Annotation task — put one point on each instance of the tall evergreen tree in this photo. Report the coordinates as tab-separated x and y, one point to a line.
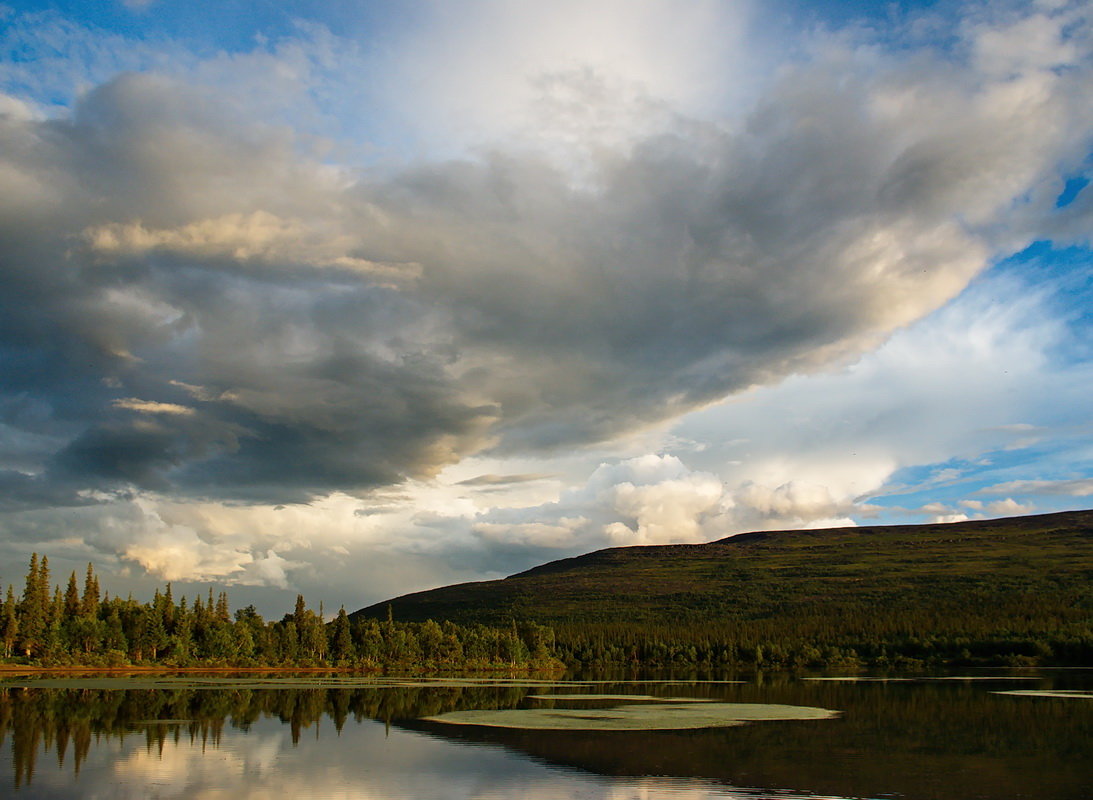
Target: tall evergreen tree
53	641
89	603
72	598
33	610
182	642
222	613
9	624
341	640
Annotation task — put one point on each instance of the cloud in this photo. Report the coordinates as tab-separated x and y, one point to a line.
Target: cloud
151	407
203	303
664	512
650	499
503	480
792	504
348	332
1009	508
1081	487
492	68
244	239
945	519
533	534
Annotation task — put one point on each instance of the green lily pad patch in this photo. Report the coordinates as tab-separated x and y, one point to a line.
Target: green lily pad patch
923	678
630	697
644	717
1064	693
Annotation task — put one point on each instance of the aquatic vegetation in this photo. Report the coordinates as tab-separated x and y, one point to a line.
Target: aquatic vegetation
859	679
630	697
643	717
1058	693
921	678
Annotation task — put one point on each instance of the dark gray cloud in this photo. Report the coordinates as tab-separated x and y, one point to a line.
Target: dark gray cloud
195	302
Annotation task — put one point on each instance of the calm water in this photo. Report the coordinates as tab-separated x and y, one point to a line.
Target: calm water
921	738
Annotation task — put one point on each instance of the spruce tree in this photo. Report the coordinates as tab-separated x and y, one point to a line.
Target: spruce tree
222	613
341	645
9	623
32	610
89	604
72	598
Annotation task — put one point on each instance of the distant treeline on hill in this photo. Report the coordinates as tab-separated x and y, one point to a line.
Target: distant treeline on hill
1015	591
51	627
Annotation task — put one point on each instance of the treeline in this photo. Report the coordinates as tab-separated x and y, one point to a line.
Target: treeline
49	627
882	641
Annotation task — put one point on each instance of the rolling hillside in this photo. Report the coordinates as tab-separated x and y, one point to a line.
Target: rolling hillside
1020	580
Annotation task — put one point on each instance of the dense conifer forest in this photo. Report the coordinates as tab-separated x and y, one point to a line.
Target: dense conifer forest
79	626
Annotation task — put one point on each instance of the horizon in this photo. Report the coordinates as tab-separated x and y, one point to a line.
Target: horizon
356	299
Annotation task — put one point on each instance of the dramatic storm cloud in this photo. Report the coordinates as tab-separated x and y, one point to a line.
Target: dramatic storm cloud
365	294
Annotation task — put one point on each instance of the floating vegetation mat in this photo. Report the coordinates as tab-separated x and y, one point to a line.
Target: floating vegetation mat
646	717
861	679
630	697
924	678
694	682
1066	693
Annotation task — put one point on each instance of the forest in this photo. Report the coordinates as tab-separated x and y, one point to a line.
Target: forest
48	626
82	626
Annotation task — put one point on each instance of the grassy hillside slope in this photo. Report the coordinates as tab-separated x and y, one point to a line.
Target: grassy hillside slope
1022	580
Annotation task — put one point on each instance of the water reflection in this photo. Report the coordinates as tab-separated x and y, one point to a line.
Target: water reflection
918	739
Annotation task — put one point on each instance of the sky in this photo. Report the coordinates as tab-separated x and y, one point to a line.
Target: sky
354	299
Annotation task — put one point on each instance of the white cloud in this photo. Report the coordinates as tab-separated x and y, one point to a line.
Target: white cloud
533	534
792	500
667	512
488	69
1027	44
1010	508
1080	487
945	519
151	406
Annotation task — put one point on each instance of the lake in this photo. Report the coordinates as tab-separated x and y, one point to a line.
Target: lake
977	734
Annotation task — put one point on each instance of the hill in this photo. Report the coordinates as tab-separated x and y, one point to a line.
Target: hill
1020	587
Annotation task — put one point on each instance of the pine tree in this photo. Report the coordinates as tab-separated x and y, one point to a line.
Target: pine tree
222	613
9	623
170	611
182	643
53	640
341	644
43	585
300	611
72	598
89	604
32	609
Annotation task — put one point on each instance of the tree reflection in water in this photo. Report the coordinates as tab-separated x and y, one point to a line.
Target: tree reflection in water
940	739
